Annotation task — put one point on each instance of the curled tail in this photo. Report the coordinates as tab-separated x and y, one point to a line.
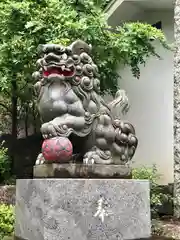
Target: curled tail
121	101
126	142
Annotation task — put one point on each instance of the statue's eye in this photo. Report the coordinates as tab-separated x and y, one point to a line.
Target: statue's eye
58	48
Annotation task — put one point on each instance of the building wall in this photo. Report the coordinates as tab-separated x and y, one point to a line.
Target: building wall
151	99
125	12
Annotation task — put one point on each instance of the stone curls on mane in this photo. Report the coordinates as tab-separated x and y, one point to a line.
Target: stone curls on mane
69	103
75	64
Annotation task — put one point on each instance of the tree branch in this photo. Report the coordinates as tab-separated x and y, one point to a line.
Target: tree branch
6	92
5	107
25	85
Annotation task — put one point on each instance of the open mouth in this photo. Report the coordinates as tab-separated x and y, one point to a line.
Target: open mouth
60	70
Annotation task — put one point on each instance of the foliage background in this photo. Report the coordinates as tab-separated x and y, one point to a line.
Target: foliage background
6	220
4	164
27	23
158	198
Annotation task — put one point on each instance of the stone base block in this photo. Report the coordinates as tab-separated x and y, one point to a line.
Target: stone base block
76	170
82	209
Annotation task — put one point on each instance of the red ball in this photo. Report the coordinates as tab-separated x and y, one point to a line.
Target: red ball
57	149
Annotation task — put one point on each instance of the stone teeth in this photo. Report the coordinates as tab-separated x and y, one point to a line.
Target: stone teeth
45	68
63	67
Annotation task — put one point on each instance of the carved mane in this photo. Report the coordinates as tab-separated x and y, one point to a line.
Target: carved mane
85	83
89	87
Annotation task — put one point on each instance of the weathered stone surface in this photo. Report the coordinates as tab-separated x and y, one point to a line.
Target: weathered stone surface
81	171
149	238
74	108
177	110
65	209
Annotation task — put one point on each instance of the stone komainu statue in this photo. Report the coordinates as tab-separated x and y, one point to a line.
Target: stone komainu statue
70	105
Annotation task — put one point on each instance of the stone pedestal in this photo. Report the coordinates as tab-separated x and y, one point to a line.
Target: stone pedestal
82	209
81	171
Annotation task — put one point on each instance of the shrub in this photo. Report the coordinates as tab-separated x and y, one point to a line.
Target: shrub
6	220
26	24
4	163
11	180
157	196
8	238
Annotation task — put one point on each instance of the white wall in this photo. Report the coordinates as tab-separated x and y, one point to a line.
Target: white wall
125	12
151	99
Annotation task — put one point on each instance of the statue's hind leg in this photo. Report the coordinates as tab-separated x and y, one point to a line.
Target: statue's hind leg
103	137
98	156
109	137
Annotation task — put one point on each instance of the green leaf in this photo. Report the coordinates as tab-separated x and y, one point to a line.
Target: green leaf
26	24
30	24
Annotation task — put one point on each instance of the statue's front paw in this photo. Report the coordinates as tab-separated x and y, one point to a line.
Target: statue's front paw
97	156
40	159
54	129
89	158
48	130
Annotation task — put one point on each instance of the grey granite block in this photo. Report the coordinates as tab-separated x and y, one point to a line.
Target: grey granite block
82	171
67	209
